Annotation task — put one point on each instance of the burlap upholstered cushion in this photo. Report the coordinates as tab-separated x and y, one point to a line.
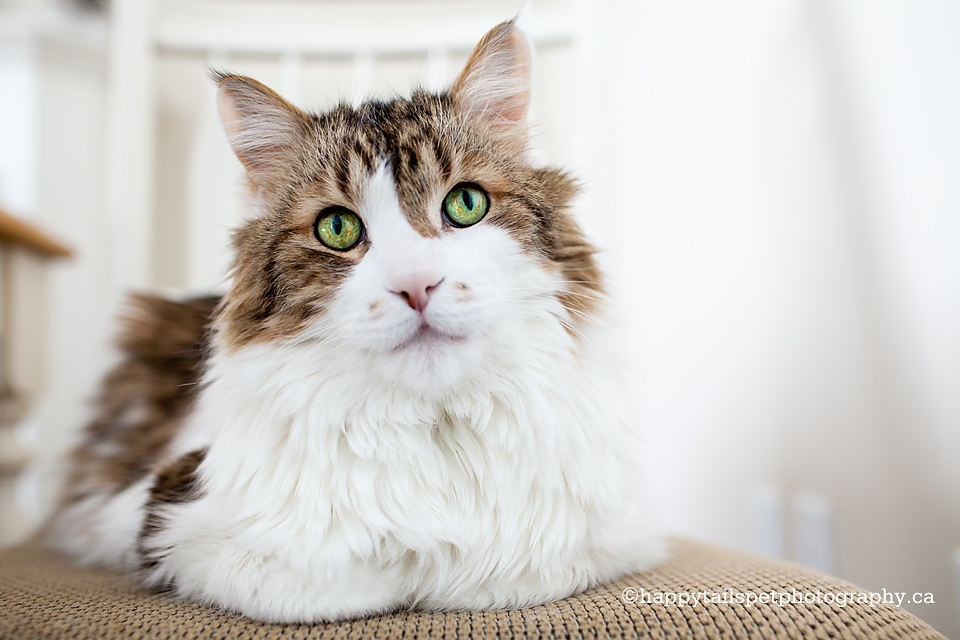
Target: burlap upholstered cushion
43	596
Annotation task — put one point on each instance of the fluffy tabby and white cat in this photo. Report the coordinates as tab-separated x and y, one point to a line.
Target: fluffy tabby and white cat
404	399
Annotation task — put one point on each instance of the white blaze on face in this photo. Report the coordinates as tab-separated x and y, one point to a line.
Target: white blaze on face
429	311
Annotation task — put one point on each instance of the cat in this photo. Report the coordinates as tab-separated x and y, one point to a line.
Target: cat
406	399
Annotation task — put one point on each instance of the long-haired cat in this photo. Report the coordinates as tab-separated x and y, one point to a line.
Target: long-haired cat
405	400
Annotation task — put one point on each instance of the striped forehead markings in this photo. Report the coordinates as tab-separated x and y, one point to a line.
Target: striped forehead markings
406	137
382	210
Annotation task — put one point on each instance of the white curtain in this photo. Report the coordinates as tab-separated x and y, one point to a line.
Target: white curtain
787	180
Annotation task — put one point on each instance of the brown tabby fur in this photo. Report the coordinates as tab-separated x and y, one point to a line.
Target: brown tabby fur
176	482
145	397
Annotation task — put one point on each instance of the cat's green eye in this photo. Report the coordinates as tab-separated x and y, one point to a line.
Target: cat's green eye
338	228
466	204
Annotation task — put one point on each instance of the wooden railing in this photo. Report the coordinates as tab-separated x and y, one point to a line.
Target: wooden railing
19	232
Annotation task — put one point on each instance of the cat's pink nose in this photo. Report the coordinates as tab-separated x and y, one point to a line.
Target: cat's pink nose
415	288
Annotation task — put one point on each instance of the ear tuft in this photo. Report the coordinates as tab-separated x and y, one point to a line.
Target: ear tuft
264	130
495	83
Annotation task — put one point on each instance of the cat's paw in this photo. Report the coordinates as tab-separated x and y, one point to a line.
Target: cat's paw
266	588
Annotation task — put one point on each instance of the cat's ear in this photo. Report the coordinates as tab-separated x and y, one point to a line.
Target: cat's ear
265	131
495	83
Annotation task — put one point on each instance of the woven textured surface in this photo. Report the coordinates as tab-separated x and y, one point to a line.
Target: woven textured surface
42	596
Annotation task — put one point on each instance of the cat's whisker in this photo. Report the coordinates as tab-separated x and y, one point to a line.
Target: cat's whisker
537	313
566	296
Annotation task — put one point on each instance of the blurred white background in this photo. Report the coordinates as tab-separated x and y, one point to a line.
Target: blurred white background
775	185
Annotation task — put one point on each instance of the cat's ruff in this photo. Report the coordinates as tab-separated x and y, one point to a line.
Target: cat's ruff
431	419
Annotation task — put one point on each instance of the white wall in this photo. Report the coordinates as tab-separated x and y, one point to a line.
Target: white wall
787	174
51	144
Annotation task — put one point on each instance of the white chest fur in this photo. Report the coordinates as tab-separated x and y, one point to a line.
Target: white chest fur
347	497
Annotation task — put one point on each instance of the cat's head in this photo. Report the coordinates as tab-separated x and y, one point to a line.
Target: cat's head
414	233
